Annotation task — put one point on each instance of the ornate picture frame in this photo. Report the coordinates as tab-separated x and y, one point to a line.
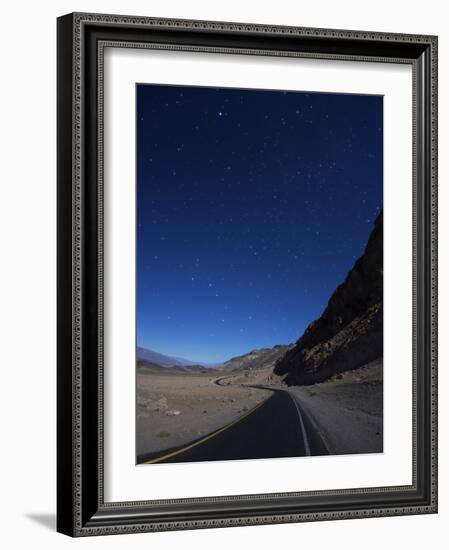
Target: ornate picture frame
81	507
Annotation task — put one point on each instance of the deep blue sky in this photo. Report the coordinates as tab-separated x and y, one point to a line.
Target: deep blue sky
252	206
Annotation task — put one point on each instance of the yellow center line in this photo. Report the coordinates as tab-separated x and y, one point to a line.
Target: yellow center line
210	436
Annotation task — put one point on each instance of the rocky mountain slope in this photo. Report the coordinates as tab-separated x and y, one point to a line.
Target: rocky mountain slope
254	360
349	333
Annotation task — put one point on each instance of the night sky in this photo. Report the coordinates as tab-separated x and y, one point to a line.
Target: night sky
252	206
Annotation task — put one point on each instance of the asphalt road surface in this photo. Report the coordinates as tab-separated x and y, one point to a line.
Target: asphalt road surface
275	429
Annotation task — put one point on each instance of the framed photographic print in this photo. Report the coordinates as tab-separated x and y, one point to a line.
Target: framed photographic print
247	293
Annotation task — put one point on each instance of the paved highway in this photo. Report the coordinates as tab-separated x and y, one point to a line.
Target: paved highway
276	428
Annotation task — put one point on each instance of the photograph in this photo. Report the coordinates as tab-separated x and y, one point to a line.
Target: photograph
259	273
247	267
221	228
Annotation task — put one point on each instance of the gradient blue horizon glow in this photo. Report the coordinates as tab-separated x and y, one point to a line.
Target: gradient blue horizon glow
252	206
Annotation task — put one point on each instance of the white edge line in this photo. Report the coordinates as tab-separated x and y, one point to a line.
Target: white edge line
303	429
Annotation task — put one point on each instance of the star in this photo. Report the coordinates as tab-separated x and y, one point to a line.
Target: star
274	230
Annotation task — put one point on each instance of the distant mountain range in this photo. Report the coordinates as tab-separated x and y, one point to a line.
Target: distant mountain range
145	354
153	361
257	358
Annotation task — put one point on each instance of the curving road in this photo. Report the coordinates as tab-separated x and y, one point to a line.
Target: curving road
277	428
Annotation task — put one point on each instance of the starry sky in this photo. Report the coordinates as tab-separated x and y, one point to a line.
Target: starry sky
252	206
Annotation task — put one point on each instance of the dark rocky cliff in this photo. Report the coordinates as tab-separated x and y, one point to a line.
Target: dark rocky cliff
349	333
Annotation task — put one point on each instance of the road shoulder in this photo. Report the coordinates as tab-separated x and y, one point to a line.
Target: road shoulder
347	412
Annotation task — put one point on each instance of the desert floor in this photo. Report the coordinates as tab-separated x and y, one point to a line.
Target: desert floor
174	408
